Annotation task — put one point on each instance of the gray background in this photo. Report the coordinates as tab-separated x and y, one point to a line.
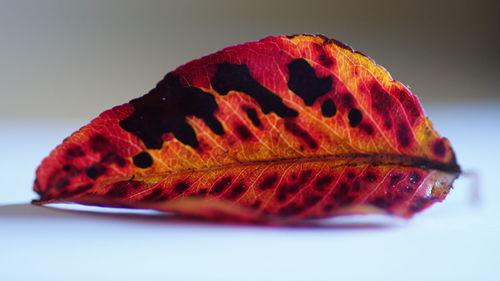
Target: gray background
74	59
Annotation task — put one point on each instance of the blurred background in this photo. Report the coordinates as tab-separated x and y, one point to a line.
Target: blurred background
74	59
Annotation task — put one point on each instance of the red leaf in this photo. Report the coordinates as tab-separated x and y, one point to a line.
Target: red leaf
286	127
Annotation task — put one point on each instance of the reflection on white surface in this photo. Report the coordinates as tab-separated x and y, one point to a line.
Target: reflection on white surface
453	240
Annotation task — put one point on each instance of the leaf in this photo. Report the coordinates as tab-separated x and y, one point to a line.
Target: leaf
286	127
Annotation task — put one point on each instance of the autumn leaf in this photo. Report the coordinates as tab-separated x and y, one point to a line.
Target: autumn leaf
287	127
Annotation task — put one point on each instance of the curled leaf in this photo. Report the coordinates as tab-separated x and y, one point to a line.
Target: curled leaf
286	127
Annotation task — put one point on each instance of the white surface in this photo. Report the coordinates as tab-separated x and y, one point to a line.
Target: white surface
453	240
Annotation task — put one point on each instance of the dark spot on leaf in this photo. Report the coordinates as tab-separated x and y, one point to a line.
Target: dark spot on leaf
311	200
243	132
382	103
180	187
164	110
351	175
221	185
324	59
355	117
380	202
114	158
143	160
297	131
439	148
256	204
99	143
367	128
341	192
328	108
356	186
328	207
409	104
202	191
66	168
370	177
155	194
403	134
322	182
74	152
268	182
252	115
237	77
117	191
304	82
414	177
394	179
281	194
236	191
94	171
291	209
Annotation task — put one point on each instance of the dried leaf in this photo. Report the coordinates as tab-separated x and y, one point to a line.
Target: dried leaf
286	127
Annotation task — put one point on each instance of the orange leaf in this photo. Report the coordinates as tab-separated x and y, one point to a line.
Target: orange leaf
286	127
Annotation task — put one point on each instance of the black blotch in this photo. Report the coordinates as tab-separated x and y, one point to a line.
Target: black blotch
414	177
342	191
256	204
403	134
297	131
394	179
66	168
282	193
355	117
299	183
439	148
220	185
381	202
328	108
237	77
322	182
94	171
116	191
356	186
155	194
164	110
304	82
202	191
268	182
370	177
291	209
143	160
252	115
75	152
236	191
243	132
180	187
351	175
311	200
99	143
